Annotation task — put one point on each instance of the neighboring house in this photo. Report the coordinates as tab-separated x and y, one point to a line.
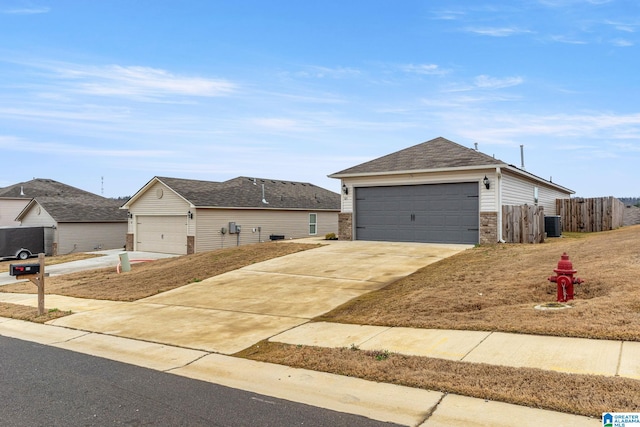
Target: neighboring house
437	192
184	216
82	221
14	199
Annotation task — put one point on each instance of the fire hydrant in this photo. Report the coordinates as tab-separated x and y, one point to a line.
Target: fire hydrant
564	278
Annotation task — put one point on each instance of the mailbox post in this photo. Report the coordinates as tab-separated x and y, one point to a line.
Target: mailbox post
35	273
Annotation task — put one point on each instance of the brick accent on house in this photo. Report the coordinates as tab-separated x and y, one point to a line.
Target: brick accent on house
488	228
129	242
345	226
191	244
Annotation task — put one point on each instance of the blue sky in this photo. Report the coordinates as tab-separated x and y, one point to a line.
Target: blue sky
105	95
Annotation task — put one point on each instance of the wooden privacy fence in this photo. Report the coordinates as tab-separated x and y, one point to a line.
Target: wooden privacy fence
589	215
522	224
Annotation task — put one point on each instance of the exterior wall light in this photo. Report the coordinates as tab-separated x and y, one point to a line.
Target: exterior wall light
345	189
190	215
486	182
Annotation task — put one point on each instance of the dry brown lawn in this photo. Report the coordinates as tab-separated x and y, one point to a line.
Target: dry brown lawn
494	288
151	278
30	314
59	259
490	288
587	395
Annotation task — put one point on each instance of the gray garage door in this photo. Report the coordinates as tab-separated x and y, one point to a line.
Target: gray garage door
434	213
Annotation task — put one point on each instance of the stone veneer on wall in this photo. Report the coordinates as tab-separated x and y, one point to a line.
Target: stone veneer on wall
488	228
129	242
345	222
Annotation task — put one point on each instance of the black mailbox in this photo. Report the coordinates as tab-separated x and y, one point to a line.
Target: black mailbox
23	269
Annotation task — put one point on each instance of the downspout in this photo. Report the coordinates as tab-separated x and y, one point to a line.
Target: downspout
499	202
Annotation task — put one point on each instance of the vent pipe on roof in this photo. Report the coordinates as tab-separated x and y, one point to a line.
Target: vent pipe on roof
21	190
263	199
522	157
476	144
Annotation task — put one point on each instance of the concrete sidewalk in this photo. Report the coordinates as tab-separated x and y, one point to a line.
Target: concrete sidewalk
380	401
561	354
184	331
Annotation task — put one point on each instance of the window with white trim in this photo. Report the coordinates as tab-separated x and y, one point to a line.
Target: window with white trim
313	224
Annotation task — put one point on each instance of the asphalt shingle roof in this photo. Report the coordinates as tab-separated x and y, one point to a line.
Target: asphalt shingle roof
42	187
66	203
245	192
83	209
438	153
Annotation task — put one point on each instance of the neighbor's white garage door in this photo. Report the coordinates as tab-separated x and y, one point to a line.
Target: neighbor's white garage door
166	234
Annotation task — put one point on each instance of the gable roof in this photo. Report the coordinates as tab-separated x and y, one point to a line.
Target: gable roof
438	153
79	209
246	192
63	202
41	187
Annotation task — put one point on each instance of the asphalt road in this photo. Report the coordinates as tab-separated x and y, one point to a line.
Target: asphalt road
47	386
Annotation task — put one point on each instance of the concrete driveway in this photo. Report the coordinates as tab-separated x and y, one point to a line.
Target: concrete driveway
105	258
230	312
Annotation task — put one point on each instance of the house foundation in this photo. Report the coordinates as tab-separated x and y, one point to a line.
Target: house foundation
488	228
345	226
129	242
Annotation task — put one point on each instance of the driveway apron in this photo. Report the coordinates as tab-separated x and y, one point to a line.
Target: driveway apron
232	311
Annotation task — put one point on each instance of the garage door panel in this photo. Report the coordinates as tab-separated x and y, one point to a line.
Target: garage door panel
438	213
162	233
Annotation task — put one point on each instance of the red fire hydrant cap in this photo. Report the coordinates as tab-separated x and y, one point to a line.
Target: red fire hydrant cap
564	265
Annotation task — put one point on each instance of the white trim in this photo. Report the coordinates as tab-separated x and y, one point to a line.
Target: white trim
314	224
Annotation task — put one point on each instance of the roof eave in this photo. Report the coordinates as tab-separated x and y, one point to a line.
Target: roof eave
529	175
267	208
415	171
146	187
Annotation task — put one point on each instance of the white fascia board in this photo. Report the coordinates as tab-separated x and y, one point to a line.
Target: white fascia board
533	177
144	189
264	208
417	171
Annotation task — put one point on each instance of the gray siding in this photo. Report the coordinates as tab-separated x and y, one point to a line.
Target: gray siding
37	216
9	210
85	237
257	225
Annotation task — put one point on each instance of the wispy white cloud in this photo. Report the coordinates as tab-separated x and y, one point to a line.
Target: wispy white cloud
328	72
497	31
427	69
26	11
566	3
624	27
485	82
448	15
508	127
136	81
566	39
488	82
74	150
622	43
